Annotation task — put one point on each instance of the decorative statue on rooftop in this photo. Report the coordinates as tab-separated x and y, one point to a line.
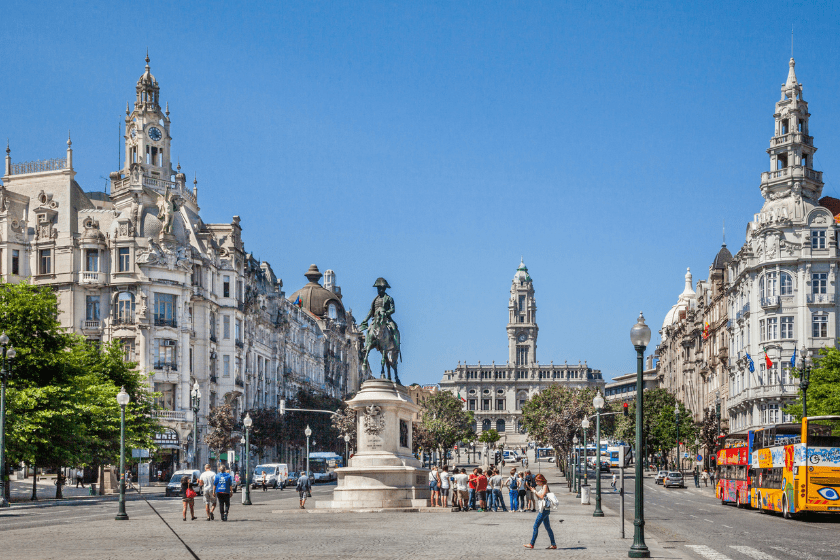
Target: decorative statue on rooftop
382	334
167	208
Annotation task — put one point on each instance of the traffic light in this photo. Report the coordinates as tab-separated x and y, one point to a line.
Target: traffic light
626	409
282	407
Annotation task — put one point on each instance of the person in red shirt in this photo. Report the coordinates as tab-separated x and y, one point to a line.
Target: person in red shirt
481	490
473	479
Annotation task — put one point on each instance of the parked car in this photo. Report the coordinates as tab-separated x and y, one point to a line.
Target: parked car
174	486
605	465
291	480
674	479
660	476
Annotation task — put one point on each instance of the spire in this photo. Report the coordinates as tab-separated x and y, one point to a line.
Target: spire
69	143
147	58
688	293
724	232
167	108
791	79
127	111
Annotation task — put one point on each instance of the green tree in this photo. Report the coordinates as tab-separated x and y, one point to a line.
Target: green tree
323	432
445	422
266	431
221	426
823	388
490	437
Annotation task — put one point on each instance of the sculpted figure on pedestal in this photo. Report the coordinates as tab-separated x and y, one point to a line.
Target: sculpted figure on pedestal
382	334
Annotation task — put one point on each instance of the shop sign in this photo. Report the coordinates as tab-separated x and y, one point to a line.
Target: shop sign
167	439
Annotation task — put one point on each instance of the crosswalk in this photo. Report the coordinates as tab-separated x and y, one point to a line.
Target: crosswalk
738	552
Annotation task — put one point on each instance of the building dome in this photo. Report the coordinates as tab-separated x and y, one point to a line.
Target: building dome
723	258
522	273
318	300
685	301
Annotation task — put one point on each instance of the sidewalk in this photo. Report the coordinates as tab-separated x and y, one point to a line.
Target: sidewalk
21	491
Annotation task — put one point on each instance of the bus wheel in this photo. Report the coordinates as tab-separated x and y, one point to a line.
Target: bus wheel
785	510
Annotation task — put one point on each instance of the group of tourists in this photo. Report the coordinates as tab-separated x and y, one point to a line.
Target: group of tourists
214	489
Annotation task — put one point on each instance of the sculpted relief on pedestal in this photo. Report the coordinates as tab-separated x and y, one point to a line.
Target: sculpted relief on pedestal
373	421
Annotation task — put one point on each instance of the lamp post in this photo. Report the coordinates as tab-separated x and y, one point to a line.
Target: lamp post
717	419
346	450
639	337
576	466
307	432
598	403
8	354
195	393
805	363
585	424
122	400
241	455
248	423
677	421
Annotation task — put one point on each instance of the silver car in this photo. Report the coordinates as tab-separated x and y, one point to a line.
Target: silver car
674	479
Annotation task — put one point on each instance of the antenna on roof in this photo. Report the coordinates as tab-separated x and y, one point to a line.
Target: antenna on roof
791	40
724	231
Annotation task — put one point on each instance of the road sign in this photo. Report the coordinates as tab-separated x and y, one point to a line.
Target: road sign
699	458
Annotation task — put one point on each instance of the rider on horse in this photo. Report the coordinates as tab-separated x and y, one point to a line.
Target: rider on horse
381	311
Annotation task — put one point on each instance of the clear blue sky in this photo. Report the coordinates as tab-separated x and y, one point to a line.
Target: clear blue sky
435	143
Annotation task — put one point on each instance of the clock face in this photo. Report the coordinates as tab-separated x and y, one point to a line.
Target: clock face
155	134
523	337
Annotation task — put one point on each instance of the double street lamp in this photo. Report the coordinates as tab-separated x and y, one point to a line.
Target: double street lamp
122	400
195	395
805	363
307	432
598	403
8	354
247	422
639	337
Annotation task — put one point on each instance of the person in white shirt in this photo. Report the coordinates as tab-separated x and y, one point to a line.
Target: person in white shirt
613	483
445	484
207	483
461	484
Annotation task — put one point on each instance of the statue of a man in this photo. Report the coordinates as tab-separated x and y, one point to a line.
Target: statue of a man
381	310
166	210
383	334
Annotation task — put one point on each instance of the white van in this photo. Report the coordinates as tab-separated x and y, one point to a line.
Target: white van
276	474
512	456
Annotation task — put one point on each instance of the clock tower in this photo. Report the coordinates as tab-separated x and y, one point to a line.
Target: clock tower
147	140
522	322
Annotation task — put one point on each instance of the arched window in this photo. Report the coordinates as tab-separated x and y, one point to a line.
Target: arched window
485	424
332	311
785	284
500	426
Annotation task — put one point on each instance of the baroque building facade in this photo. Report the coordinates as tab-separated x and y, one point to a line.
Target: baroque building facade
183	297
783	280
496	393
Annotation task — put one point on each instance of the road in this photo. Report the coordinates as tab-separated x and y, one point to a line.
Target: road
692	520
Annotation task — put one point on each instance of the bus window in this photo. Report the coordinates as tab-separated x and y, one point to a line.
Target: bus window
822	436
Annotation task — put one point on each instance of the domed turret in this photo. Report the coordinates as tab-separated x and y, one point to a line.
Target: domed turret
318	300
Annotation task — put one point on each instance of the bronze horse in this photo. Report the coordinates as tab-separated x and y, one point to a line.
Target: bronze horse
380	337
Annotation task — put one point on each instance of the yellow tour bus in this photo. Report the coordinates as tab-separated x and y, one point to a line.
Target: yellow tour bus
795	468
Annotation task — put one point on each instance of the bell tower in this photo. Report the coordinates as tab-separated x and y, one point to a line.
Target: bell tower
522	326
147	139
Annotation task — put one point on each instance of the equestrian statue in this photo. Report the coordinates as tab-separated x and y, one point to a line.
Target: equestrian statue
382	334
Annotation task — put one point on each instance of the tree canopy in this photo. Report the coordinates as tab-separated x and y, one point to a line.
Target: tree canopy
824	386
444	422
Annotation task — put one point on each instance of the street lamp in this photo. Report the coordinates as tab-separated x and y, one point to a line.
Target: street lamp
247	422
805	363
585	424
195	393
346	450
598	403
677	420
717	419
8	354
639	337
575	467
307	432
122	400
241	453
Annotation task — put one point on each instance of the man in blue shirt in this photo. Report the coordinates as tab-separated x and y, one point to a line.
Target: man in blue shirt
304	486
223	483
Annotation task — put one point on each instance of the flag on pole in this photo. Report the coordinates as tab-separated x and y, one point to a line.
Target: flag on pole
460	397
750	362
793	358
298	302
706	331
768	362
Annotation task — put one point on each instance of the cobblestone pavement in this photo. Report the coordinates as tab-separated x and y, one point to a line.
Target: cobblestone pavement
274	527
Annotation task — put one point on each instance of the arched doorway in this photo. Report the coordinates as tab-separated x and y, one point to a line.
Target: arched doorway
500	426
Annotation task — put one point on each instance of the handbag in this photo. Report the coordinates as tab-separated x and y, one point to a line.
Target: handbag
190	493
309	493
552	501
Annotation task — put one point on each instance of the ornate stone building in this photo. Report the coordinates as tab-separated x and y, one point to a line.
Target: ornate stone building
496	393
183	297
783	280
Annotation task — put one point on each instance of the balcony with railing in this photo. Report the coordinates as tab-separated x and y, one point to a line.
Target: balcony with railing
39	166
163	321
91	324
821	299
770	302
164	364
92	277
795	171
792	137
764	392
176	415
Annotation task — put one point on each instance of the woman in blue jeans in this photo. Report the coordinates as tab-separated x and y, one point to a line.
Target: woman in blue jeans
542	517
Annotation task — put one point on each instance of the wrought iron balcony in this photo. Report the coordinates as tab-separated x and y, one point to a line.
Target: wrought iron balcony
163	364
770	301
170	414
821	299
161	321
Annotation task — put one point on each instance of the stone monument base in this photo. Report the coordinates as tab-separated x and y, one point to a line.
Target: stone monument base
383	474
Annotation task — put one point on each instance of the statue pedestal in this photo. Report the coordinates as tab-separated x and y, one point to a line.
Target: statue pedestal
383	474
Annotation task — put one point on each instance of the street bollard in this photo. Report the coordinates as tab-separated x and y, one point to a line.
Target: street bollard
584	494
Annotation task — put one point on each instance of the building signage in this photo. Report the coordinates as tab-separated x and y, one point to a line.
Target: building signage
167	439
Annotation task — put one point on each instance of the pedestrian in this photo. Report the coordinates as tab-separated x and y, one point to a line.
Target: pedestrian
207	484
188	496
512	484
80	478
304	487
696	478
498	500
445	485
522	490
222	483
434	486
128	479
542	517
264	481
481	490
530	483
473	477
461	481
614	479
712	478
237	479
705	478
491	496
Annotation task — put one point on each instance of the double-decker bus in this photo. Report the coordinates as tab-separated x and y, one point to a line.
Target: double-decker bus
795	468
732	481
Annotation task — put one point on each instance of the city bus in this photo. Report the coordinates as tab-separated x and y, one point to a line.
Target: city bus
732	481
323	465
795	468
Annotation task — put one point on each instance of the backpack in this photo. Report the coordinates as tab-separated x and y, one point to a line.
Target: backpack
513	484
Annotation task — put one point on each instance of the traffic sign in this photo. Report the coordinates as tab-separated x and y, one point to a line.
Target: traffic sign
699	458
